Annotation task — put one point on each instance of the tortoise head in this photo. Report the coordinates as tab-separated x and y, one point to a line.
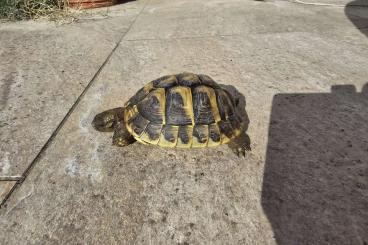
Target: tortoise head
106	121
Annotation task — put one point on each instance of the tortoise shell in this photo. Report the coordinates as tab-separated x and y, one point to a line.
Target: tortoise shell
184	110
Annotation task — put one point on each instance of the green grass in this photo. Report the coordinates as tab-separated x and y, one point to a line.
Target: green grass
31	9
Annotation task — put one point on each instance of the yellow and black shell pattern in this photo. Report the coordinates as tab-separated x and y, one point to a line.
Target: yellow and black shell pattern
184	110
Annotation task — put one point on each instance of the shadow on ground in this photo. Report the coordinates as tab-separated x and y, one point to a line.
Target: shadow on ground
124	1
357	12
315	186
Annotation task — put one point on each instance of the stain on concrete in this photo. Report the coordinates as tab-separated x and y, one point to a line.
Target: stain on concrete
5	87
5	163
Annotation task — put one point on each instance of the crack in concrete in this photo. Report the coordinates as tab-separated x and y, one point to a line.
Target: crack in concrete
181	38
214	36
67	115
10	178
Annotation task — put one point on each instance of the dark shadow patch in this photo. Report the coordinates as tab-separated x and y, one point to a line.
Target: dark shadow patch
5	88
124	1
357	12
315	182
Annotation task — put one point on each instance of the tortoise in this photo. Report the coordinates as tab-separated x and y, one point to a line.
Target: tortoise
183	111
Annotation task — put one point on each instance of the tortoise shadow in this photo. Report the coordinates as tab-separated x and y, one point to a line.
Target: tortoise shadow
357	13
315	181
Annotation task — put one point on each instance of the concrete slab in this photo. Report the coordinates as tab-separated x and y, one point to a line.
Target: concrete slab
146	194
83	190
288	63
5	187
182	19
43	69
119	195
322	2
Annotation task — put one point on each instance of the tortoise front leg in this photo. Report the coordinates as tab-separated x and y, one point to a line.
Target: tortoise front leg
121	136
240	144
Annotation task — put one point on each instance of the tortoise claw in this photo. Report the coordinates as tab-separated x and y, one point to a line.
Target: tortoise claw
240	145
240	152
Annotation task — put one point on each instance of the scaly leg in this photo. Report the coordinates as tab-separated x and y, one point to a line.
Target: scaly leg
240	144
122	137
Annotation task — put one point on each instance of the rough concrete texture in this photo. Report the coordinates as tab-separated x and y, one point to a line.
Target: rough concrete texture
322	2
43	70
305	181
5	187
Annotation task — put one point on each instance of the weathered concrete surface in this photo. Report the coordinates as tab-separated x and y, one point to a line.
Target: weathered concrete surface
83	190
183	18
5	187
322	2
43	69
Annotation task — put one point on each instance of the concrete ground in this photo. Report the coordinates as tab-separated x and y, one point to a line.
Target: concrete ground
302	69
